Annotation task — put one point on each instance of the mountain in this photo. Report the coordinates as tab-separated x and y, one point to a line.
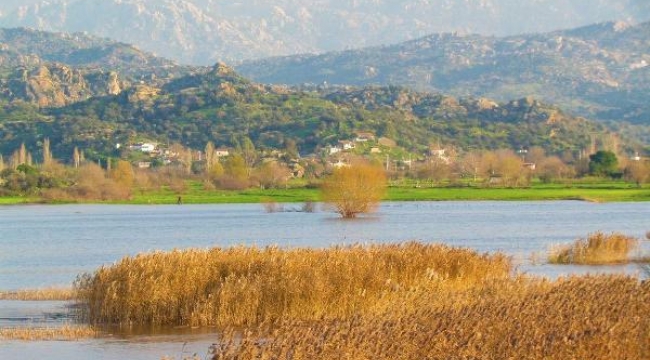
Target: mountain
28	48
222	106
54	69
599	71
204	31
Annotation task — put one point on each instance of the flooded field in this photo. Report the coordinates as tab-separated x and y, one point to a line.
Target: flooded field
44	246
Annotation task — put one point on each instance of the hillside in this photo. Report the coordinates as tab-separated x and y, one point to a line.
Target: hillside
600	71
204	31
221	106
54	69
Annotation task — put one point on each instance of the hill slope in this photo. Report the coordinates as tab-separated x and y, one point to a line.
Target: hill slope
599	71
221	106
54	69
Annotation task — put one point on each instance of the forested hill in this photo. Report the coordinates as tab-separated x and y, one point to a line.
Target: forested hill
600	71
221	106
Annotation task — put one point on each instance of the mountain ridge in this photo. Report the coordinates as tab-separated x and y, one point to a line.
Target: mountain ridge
599	71
202	32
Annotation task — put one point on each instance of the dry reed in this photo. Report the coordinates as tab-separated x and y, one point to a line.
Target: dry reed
597	248
64	333
46	294
248	286
603	317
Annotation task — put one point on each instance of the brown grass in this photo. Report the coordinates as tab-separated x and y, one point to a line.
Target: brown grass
64	333
603	317
596	249
46	294
248	286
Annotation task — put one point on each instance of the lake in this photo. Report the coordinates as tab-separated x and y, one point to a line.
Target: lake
45	245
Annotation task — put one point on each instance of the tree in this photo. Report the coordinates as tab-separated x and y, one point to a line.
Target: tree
510	167
354	190
603	163
76	157
637	172
123	174
247	151
210	156
553	168
47	153
272	174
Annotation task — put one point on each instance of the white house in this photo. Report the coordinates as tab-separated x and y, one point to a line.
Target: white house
334	150
147	148
347	145
222	152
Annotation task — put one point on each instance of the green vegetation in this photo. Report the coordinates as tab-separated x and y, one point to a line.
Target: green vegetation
596	193
221	107
196	194
558	67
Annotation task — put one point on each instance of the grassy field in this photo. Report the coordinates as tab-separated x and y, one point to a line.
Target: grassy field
597	192
15	200
583	191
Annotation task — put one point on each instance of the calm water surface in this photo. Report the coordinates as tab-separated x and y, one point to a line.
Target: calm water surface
44	245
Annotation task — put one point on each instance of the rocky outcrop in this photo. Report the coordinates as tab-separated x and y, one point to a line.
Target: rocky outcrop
55	85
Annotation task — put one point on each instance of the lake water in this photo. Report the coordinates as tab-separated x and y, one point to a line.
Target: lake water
43	246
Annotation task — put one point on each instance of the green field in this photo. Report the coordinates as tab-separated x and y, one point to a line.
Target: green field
195	194
15	200
596	192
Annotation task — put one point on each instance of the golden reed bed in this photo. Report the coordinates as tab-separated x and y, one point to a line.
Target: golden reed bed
604	317
247	286
406	301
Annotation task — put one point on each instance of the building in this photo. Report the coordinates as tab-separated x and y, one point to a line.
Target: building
222	152
364	137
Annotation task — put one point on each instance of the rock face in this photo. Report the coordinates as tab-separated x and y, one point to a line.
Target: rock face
56	85
204	31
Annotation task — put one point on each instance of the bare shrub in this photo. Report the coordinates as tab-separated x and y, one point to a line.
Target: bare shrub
271	206
354	190
308	207
228	182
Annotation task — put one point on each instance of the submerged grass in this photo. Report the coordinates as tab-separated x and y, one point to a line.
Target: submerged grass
46	294
596	249
248	286
64	333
